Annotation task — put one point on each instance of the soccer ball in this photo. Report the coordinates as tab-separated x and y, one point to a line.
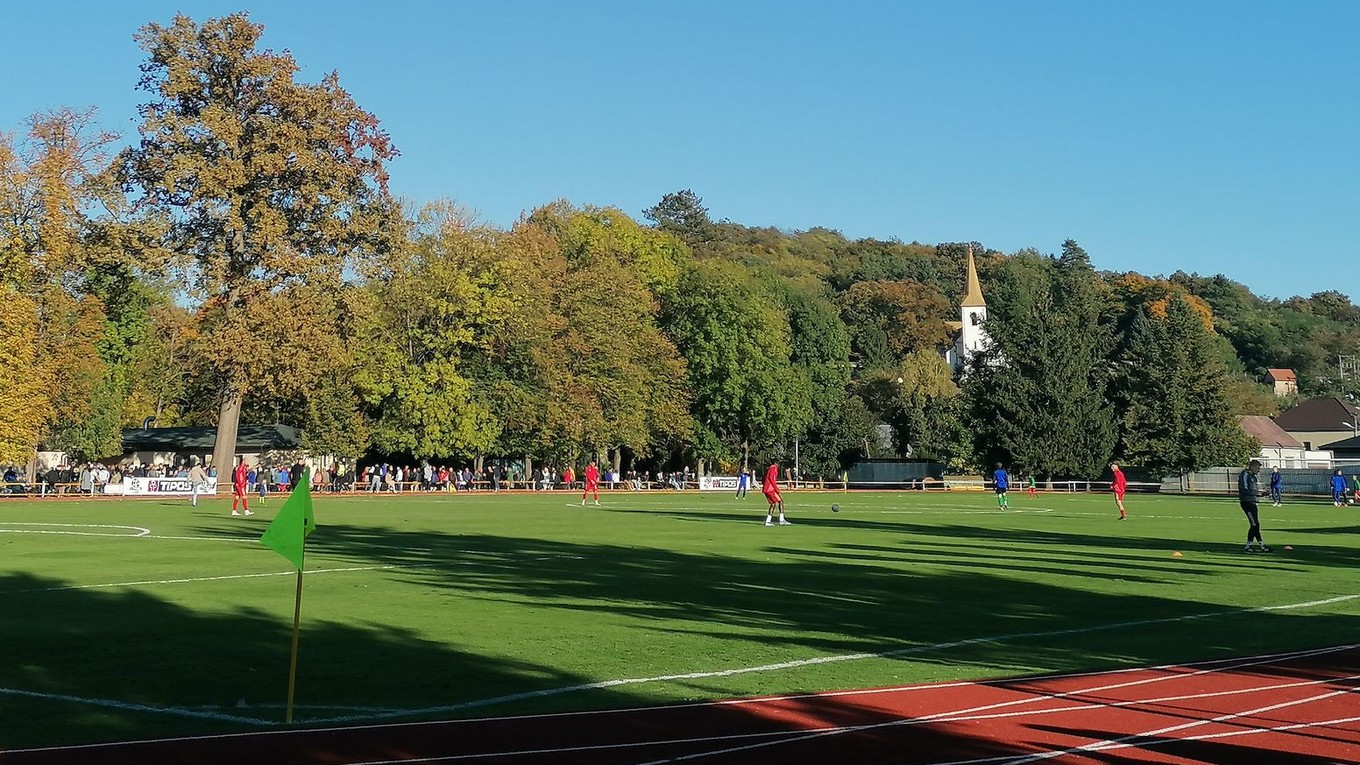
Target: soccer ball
835	508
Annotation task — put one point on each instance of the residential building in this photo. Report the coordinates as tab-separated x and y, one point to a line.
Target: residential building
1282	381
1320	422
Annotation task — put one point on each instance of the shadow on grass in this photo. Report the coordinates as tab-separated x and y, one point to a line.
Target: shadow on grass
814	602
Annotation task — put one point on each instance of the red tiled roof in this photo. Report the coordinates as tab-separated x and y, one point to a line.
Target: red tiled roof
1270	435
1280	375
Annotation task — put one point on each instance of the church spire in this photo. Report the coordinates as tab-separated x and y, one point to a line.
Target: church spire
973	297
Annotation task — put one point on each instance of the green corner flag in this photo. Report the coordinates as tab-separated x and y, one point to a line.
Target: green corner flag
289	529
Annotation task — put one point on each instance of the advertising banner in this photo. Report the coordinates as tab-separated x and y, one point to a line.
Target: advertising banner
718	483
140	487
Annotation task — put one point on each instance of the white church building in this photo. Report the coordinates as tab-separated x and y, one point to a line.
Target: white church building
970	333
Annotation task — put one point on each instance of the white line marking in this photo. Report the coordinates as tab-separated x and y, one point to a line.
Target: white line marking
1228	664
129	706
48	529
970	713
798	663
226	577
1123	741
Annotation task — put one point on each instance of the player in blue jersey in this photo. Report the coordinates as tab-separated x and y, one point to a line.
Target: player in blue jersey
1003	484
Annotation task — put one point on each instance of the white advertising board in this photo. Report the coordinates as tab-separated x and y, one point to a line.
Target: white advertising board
140	487
718	483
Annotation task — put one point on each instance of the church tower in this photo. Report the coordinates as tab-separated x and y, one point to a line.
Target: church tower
972	335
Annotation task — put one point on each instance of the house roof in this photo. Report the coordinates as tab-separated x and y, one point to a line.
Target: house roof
1280	375
1270	435
249	438
1348	446
1319	415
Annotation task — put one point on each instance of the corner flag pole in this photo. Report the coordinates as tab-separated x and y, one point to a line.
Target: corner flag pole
292	662
287	535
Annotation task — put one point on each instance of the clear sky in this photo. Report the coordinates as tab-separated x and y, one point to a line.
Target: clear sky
1200	135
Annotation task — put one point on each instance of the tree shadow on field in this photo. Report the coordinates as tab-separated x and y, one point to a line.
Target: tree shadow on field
818	602
76	663
130	646
1139	546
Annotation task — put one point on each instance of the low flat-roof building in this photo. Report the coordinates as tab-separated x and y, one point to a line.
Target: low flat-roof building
172	446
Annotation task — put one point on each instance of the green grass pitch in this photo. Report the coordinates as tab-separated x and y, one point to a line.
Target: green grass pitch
123	619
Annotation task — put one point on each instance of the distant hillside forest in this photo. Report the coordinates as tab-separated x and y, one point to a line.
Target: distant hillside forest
245	260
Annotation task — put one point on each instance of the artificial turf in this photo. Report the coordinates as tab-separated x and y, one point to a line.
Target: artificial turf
131	619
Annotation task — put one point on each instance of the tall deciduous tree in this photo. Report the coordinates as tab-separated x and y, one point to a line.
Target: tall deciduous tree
53	180
23	383
900	317
275	187
735	339
820	351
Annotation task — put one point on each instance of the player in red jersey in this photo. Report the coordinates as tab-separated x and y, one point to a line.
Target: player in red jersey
592	476
770	488
238	488
1118	486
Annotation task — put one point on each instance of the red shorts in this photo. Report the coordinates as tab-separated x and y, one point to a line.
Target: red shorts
592	486
773	496
1119	494
238	489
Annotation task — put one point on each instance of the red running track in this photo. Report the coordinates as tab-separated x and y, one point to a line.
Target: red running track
1289	709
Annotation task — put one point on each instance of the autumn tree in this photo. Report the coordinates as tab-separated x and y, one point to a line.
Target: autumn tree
888	320
274	186
61	259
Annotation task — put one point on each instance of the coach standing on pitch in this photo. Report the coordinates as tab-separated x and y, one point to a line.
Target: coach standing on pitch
1248	491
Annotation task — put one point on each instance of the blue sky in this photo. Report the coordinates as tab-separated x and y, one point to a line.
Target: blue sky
1205	136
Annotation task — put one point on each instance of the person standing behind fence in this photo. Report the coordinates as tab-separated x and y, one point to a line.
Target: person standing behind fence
1119	485
1338	489
198	482
1276	487
1248	490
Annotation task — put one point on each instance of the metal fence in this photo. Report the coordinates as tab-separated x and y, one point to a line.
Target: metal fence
1223	480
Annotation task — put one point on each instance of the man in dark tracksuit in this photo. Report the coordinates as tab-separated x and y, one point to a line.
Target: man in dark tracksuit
1248	490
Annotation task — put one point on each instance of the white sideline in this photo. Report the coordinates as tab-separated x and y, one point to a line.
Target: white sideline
697	675
843	657
225	577
963	715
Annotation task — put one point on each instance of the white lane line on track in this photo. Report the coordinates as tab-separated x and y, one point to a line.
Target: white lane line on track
514	697
1123	742
1213	665
971	713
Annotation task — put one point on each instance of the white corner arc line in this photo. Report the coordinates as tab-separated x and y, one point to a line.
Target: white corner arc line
223	578
51	528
